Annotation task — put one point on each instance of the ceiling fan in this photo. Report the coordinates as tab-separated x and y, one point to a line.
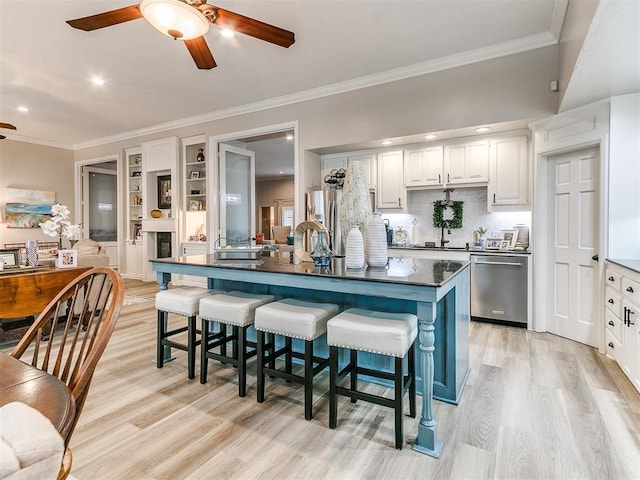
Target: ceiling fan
188	20
8	126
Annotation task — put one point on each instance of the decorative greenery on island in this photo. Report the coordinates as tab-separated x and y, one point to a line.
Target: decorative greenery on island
438	214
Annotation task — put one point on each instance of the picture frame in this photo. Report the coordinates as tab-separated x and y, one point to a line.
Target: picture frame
508	239
164	191
10	257
194	205
67	259
195	174
138	230
492	244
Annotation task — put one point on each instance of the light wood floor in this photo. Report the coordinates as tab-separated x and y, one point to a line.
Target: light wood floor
536	406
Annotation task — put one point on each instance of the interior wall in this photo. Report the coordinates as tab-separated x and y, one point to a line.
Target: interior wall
269	191
34	167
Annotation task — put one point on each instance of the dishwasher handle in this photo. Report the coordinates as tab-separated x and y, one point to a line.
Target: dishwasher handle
510	264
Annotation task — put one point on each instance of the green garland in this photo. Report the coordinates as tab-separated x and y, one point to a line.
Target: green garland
438	215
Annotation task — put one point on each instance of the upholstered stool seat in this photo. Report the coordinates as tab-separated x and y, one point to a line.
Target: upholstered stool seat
391	334
185	302
236	309
292	318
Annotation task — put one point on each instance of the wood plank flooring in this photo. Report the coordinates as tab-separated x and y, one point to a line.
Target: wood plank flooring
536	406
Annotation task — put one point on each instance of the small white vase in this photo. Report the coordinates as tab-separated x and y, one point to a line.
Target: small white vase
354	254
376	242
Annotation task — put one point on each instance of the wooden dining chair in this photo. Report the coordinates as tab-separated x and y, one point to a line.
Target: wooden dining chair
77	324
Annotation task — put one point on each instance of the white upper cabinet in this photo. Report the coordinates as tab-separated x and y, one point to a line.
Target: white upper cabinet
424	167
369	161
390	193
509	167
467	163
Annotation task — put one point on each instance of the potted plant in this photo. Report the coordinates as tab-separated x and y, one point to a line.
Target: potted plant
479	238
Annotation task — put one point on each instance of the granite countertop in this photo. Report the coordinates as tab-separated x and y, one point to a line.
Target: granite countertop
458	249
409	271
626	263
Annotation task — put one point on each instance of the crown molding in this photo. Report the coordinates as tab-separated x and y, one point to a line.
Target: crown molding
520	45
38	141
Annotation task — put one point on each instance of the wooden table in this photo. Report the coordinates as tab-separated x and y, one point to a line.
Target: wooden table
20	382
26	292
436	291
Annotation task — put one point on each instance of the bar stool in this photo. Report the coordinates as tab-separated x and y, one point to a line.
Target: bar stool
236	309
184	302
292	318
391	334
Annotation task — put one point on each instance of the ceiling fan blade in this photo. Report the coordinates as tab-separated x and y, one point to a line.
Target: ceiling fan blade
200	53
106	19
2	137
7	125
255	28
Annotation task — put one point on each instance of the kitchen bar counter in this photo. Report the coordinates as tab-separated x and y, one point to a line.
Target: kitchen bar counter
437	291
630	264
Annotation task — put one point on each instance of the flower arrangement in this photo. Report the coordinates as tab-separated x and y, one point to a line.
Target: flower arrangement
60	224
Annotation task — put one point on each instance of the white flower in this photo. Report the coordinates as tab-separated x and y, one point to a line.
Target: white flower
59	224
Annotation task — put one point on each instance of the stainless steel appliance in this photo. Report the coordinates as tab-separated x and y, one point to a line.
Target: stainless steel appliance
499	289
324	207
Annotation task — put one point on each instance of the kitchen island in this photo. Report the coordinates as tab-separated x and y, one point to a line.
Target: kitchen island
437	291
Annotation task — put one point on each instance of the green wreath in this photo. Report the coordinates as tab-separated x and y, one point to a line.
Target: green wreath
438	214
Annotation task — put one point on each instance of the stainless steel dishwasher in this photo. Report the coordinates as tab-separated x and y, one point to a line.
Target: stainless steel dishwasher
499	289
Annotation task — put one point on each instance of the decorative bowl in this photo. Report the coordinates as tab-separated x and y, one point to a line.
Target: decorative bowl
156	213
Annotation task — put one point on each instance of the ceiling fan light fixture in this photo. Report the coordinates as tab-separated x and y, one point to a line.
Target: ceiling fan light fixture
175	18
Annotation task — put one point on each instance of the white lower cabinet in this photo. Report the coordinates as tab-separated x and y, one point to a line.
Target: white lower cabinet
186	249
622	312
133	259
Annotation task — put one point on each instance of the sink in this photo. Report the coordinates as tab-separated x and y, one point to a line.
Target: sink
422	247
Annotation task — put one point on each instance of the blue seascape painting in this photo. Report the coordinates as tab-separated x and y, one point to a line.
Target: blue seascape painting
28	208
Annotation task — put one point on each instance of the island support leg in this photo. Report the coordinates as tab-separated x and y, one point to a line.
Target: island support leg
163	284
427	440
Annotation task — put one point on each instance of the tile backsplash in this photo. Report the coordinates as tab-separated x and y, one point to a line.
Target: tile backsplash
419	222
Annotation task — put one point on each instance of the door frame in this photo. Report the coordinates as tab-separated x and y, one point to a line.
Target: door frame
213	184
567	132
78	195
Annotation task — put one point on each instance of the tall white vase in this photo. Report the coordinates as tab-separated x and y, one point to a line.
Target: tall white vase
354	254
355	208
376	242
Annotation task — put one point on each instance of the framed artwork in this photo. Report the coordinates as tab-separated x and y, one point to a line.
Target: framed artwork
493	244
67	258
194	205
28	208
10	257
508	239
138	230
195	174
164	191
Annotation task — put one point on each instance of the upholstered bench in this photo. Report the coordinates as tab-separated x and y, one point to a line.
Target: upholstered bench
391	334
292	318
185	302
236	309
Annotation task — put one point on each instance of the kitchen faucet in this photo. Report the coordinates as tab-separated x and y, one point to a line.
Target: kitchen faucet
442	240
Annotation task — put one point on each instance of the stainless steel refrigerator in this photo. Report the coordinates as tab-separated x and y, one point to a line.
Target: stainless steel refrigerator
324	207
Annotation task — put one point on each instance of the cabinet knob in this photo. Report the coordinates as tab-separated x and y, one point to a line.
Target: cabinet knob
439	179
448	178
610	301
611	279
611	344
611	323
630	289
399	202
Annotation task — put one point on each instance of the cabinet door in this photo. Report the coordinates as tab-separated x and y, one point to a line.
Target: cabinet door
467	163
423	167
390	192
509	172
369	161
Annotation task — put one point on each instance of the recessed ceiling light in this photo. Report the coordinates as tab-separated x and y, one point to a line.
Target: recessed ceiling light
228	33
431	136
289	137
22	108
97	81
281	173
482	129
387	142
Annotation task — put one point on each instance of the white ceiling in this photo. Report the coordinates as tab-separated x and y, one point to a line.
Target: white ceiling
151	79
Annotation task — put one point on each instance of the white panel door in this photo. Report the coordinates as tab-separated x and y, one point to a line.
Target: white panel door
573	294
